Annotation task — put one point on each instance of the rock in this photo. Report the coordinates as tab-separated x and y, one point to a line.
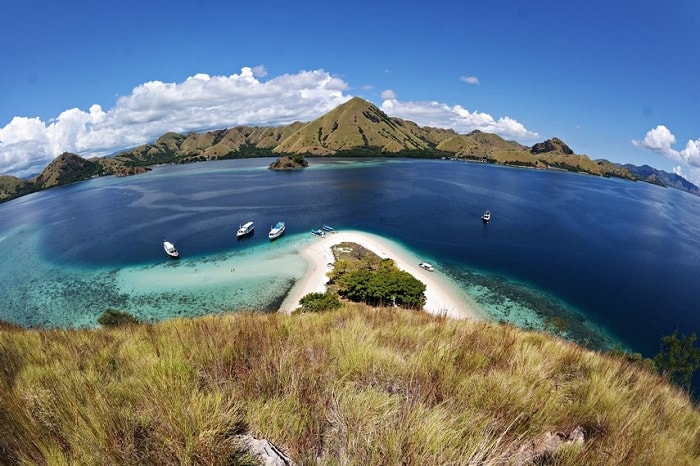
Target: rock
542	447
551	145
265	451
289	163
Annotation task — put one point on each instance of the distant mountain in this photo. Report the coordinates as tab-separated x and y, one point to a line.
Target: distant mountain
355	128
662	178
64	169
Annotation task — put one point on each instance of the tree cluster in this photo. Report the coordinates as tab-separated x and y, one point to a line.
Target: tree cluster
679	358
384	286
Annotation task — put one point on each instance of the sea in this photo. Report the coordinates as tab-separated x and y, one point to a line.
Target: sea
601	261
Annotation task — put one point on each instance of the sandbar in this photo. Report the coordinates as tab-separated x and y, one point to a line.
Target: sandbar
443	296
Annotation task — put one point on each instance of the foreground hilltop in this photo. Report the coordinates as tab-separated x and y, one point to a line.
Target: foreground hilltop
355	128
353	386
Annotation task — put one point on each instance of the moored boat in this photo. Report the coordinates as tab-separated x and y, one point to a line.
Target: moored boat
486	216
170	249
319	233
276	231
329	229
426	266
245	229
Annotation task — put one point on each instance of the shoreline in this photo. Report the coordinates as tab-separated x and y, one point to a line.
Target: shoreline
442	297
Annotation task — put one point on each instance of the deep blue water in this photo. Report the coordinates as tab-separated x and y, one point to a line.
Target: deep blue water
560	247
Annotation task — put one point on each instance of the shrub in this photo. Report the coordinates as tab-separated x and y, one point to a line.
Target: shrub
319	302
113	318
679	358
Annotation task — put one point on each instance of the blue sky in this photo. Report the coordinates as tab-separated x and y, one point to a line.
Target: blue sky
614	80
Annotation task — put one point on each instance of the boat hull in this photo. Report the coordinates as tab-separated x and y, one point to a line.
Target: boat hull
276	231
170	250
245	229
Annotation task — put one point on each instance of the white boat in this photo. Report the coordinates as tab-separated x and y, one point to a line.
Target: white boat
276	231
319	233
170	249
329	229
486	216
245	229
426	266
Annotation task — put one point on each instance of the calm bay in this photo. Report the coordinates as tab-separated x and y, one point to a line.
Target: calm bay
596	260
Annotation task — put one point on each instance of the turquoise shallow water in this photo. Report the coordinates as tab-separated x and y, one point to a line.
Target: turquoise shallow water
255	278
46	295
595	260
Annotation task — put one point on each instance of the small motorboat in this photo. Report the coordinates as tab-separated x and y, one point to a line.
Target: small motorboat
276	231
329	229
245	229
426	266
319	233
170	249
486	216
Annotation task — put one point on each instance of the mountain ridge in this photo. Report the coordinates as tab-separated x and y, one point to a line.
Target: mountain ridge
354	128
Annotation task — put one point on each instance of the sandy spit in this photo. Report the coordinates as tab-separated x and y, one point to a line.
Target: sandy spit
443	297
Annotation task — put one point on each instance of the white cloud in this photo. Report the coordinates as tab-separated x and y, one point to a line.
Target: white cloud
201	102
691	153
692	174
457	118
388	95
259	71
661	140
469	80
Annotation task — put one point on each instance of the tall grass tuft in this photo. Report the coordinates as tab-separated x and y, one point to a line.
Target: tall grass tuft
353	386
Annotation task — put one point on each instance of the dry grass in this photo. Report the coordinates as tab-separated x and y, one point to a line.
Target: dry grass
357	386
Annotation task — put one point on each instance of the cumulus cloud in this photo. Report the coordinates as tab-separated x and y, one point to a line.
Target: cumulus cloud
469	80
388	95
203	102
661	140
456	117
199	103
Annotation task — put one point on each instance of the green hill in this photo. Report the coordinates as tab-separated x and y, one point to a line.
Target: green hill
67	168
356	124
354	386
11	187
355	128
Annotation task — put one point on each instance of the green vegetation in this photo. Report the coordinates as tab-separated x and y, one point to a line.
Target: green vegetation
319	302
113	317
356	128
361	276
355	386
679	358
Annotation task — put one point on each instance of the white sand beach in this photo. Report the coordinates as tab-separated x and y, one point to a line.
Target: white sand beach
442	296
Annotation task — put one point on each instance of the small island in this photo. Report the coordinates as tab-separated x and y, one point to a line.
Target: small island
289	162
330	257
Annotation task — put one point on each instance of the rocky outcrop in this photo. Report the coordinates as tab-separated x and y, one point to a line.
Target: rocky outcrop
551	145
264	451
542	448
294	162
